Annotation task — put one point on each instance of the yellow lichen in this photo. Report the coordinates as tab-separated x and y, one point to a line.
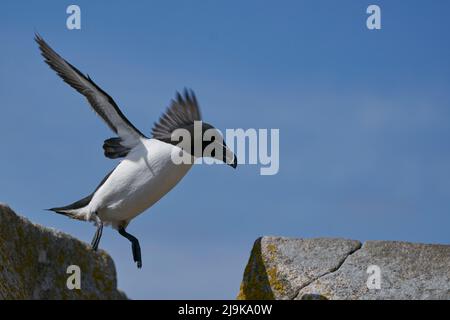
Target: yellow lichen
275	282
256	284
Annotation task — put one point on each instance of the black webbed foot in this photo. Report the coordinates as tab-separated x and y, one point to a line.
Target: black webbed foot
135	247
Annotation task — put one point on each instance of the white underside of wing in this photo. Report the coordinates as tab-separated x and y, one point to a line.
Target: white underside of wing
138	182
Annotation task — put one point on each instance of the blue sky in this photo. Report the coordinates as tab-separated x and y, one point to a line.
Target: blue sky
363	118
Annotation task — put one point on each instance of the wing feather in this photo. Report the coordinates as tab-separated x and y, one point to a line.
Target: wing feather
182	112
99	100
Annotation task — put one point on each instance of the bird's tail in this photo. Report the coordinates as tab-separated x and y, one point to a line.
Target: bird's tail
76	210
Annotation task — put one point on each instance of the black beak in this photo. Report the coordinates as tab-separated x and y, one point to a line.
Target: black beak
227	153
234	164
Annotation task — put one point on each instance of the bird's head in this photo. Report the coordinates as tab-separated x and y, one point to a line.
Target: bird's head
206	142
214	146
181	125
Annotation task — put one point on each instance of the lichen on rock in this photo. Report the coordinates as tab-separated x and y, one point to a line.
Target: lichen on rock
305	269
34	262
279	267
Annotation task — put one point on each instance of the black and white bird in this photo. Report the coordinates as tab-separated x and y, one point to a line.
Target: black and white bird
147	171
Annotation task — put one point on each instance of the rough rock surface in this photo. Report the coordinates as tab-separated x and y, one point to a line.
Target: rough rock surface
34	262
282	268
279	267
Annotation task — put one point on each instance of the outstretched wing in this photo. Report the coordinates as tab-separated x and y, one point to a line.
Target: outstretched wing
99	100
182	112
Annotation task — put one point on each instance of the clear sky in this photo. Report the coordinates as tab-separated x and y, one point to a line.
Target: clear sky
363	118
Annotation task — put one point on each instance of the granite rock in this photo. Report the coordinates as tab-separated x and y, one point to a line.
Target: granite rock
283	268
34	262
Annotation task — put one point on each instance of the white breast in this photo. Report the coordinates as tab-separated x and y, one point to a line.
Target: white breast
138	182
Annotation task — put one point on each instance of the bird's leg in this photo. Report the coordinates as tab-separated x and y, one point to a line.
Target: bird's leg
98	233
136	248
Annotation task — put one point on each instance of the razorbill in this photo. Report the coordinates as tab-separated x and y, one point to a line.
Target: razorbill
147	171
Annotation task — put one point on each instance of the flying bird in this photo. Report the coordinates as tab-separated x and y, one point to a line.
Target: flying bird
146	172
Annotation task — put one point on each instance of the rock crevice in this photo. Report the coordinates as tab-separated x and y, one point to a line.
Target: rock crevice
270	273
312	296
283	268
